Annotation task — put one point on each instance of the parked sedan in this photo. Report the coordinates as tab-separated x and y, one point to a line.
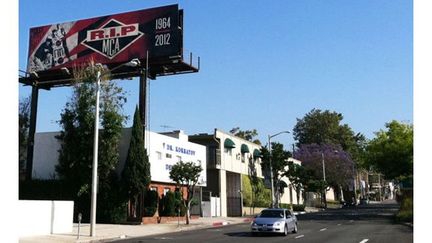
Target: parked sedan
275	220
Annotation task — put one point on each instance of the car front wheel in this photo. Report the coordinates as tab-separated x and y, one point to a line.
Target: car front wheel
285	230
295	228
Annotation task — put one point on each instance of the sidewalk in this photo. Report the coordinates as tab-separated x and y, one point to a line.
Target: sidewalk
108	232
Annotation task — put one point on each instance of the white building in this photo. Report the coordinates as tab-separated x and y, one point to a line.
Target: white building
164	150
290	195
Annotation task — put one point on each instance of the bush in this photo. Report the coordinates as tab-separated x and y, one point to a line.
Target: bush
285	205
168	205
151	199
150	203
405	213
179	204
300	207
149	211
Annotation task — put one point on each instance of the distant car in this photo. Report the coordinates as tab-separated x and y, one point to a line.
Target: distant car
274	220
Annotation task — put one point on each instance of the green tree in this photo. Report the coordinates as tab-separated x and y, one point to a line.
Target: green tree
186	174
253	180
391	151
298	177
76	142
324	127
248	135
136	172
279	163
23	130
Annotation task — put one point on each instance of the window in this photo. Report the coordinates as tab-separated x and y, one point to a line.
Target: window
228	151
159	155
168	156
166	190
242	157
153	188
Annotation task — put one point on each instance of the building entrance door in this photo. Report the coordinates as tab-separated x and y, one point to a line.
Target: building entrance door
233	194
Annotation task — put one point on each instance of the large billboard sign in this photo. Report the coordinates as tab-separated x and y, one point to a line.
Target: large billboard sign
111	39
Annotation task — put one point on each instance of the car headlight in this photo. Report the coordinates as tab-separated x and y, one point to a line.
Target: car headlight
279	223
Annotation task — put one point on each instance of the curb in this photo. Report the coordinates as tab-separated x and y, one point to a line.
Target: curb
247	220
218	224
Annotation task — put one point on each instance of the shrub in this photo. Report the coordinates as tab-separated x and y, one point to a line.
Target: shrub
149	211
300	207
405	213
169	204
285	205
179	204
150	203
151	199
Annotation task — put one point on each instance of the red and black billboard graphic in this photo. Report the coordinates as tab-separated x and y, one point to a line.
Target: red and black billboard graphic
109	39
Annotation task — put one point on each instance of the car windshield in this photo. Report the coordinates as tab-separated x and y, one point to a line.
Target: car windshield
271	214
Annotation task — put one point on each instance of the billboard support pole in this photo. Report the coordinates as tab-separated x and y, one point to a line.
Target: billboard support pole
32	130
143	96
143	110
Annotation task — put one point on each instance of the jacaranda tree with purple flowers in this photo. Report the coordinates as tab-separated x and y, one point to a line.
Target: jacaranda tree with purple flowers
339	167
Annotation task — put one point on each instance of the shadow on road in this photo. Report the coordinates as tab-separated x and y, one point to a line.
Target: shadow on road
361	212
249	234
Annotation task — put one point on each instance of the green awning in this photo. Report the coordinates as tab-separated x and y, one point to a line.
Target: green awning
256	153
282	184
244	148
229	143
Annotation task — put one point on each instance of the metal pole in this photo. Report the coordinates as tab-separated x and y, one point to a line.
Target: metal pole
323	166
355	186
32	131
271	171
324	178
95	161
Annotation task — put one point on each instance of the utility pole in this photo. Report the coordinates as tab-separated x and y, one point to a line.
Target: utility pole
324	179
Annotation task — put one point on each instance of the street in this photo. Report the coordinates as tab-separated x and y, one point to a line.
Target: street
361	224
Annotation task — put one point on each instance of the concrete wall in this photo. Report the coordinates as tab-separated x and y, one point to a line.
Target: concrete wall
39	217
45	155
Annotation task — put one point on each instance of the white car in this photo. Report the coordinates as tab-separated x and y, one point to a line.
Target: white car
274	220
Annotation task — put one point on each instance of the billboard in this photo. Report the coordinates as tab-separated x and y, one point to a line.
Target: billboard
111	39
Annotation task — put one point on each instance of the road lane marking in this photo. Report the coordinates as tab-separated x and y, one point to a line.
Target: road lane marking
323	229
298	237
351	221
364	241
339	224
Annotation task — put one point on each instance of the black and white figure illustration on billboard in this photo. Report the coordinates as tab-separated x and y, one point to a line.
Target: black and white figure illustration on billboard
54	50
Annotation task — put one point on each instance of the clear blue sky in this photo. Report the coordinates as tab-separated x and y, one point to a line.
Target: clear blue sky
263	63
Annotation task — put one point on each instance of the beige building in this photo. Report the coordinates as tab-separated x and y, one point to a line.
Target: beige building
228	157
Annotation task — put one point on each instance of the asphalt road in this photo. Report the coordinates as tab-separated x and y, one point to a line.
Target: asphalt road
372	223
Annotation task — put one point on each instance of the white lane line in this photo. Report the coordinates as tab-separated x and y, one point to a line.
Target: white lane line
298	237
364	241
339	224
323	229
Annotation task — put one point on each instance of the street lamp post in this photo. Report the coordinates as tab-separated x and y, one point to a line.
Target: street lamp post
324	179
99	75
270	163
